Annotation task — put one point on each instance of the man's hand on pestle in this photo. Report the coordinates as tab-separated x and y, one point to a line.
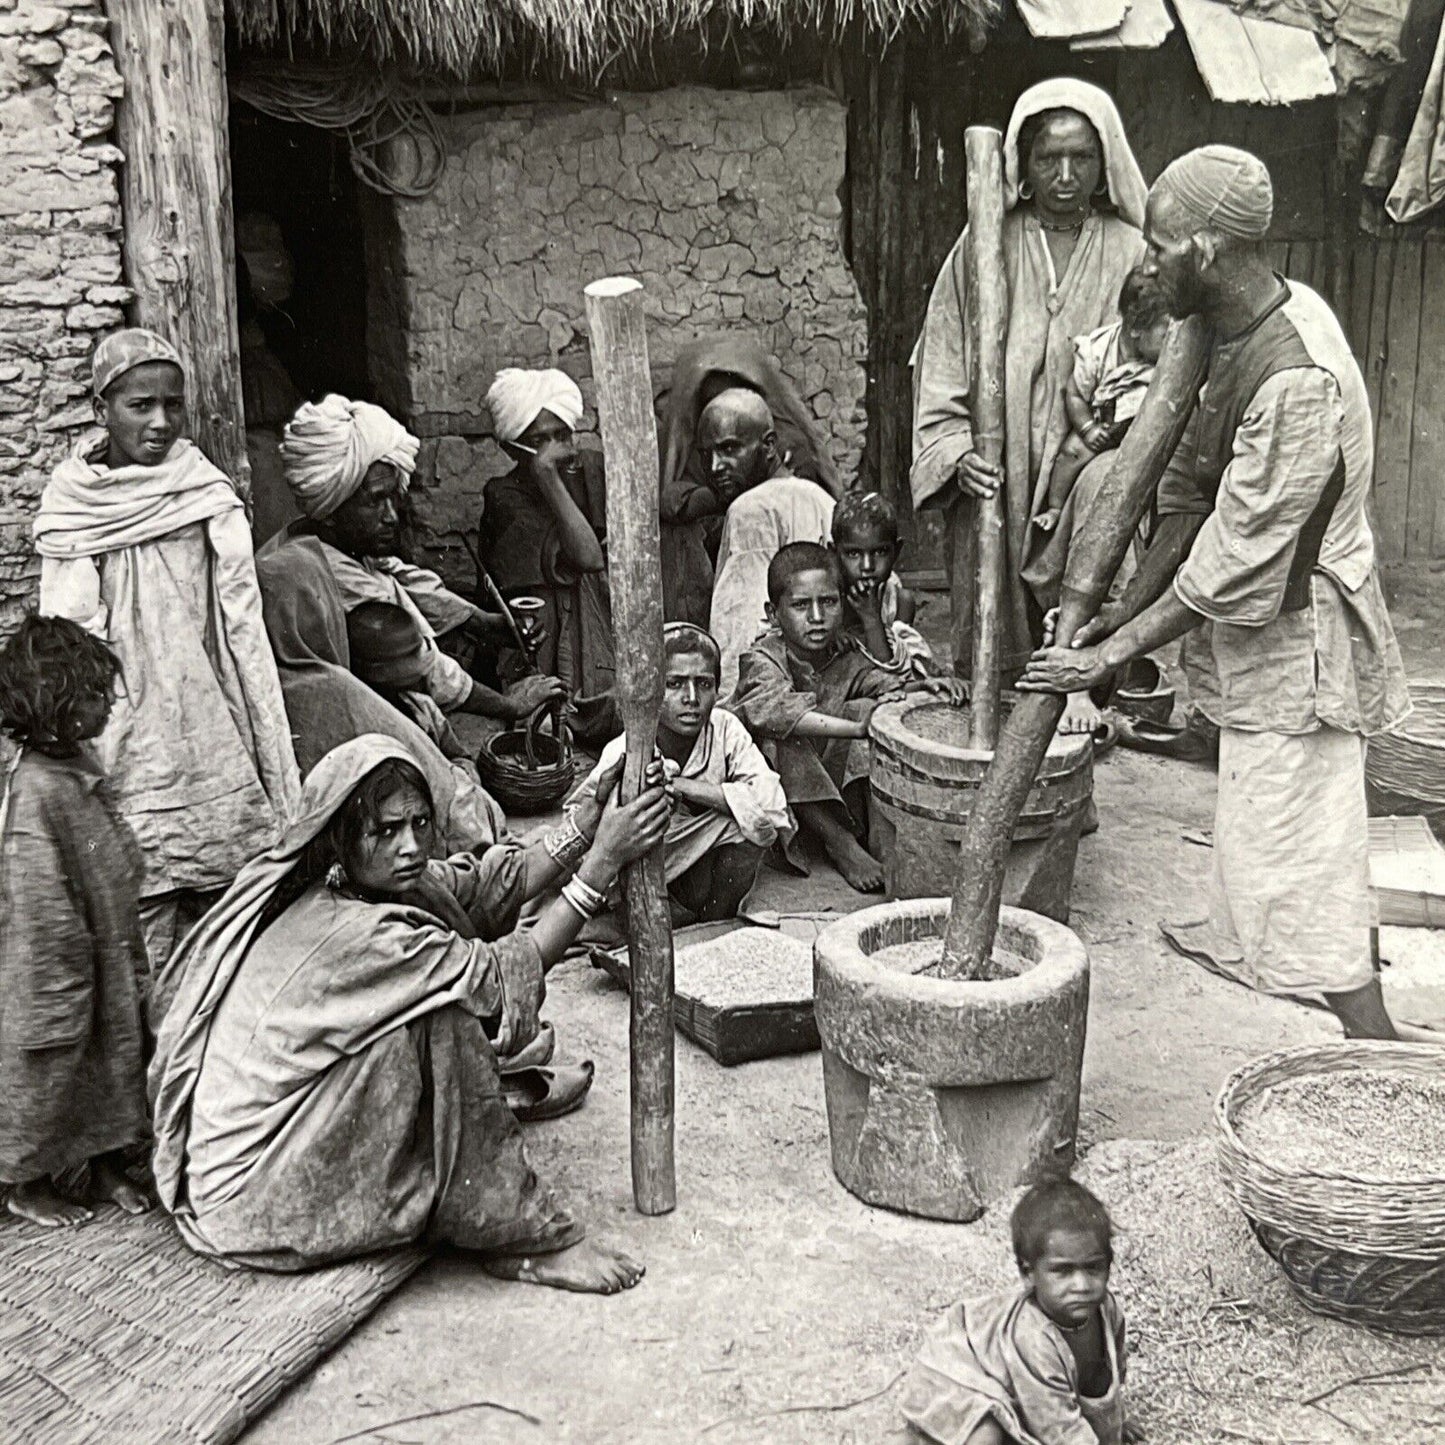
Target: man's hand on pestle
1064	670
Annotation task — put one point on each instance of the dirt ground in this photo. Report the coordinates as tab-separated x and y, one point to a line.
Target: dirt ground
777	1307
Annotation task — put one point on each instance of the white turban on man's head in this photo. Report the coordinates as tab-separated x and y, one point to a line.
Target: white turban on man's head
1219	188
328	446
517	397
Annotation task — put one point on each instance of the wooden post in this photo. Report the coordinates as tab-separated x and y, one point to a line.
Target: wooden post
618	328
988	324
179	243
1097	549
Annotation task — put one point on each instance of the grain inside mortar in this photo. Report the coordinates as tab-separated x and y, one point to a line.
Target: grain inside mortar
1368	1121
925	955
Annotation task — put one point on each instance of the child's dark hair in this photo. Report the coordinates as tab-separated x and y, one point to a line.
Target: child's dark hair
683	639
47	670
799	557
381	630
864	511
1054	1205
1142	301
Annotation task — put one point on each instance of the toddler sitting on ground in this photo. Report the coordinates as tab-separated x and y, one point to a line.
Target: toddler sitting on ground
728	804
880	607
1113	367
1041	1363
806	691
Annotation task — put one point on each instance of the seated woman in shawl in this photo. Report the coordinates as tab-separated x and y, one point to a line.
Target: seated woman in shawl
543	532
692	510
349	465
144	543
327	705
1072	234
325	1082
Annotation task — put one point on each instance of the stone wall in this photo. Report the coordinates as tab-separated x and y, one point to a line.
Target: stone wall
724	203
60	267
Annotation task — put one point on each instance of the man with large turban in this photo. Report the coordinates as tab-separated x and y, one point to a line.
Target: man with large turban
542	534
1264	560
348	465
144	542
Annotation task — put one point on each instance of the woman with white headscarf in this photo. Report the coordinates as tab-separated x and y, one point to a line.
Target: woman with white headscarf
1073	232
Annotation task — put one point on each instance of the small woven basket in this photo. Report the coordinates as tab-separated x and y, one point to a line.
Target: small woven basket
1405	768
1369	1250
527	770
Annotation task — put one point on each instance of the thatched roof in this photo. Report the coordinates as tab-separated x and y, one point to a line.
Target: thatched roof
465	37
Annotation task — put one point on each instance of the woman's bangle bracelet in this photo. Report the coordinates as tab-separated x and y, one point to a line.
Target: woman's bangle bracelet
587	901
566	846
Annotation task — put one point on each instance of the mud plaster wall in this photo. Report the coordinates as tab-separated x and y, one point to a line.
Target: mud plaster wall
724	204
60	265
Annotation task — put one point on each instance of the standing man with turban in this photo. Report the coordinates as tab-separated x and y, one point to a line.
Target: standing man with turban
145	544
348	465
1290	648
542	534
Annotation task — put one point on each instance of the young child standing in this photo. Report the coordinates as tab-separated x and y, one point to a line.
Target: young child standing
1042	1363
880	608
71	950
728	804
806	690
1113	367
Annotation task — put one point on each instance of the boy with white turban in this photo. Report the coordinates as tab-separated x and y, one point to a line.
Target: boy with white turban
348	465
542	534
1291	647
144	543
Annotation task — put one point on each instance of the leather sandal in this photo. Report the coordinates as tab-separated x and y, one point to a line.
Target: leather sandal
1165	740
538	1052
547	1092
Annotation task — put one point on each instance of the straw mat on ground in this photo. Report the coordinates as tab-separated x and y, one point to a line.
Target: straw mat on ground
115	1331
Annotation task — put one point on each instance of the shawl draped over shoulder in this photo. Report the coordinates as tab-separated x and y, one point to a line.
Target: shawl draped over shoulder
1046	312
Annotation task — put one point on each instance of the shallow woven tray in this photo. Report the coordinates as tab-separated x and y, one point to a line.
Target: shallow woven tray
1357	1247
736	1033
116	1332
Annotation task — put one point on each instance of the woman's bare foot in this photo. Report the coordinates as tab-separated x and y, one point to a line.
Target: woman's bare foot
109	1182
1080	714
860	869
1047	521
41	1203
587	1268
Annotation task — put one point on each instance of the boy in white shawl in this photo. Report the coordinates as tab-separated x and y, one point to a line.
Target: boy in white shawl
145	544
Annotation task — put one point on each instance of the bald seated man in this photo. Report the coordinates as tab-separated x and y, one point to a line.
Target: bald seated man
767	508
1263	560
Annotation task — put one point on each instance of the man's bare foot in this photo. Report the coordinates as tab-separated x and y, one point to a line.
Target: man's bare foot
860	869
587	1268
1080	714
41	1203
109	1182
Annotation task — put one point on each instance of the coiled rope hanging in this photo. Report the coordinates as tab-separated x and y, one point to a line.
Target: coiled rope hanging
396	147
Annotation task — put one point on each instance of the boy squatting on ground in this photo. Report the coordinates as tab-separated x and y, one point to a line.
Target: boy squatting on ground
880	608
1042	1363
806	691
1113	367
728	804
70	936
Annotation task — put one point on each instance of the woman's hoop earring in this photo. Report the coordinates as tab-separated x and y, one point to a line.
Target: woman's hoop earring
1026	190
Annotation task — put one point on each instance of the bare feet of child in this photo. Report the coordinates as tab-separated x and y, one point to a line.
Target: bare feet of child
586	1268
1080	714
860	869
1047	521
110	1183
41	1203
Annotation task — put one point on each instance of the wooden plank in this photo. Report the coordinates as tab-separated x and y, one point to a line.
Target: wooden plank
894	420
1425	519
1397	401
179	238
1362	291
1382	262
862	79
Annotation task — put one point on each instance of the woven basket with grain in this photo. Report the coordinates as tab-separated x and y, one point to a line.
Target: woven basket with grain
1405	768
1357	1246
526	770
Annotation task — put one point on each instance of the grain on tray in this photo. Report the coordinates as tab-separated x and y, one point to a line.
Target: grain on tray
1368	1121
746	967
924	955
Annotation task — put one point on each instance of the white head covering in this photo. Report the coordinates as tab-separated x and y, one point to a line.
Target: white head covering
518	396
1220	188
1126	184
328	446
